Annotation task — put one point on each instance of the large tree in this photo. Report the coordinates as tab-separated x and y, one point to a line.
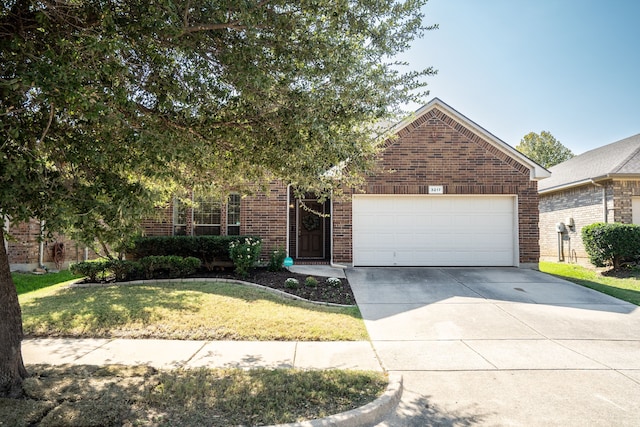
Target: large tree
109	106
544	149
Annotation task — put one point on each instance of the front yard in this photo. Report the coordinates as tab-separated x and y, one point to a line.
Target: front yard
207	310
188	311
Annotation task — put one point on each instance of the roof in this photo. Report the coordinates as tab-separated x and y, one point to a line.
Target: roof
619	159
537	172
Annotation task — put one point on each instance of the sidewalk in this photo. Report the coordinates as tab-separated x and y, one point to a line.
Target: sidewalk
168	354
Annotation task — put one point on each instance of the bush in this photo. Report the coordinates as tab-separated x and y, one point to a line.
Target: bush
611	244
311	282
277	259
291	283
334	281
212	251
245	253
123	269
90	269
171	266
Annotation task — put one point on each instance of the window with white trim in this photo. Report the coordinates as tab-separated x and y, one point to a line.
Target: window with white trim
206	216
233	215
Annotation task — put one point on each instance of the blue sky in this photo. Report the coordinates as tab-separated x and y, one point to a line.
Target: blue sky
570	67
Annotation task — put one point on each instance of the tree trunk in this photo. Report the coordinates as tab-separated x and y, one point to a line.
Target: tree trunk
12	370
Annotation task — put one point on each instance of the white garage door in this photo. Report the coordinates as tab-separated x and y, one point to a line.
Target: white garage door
434	230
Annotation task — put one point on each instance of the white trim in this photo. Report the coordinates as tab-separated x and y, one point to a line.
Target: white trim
288	213
537	171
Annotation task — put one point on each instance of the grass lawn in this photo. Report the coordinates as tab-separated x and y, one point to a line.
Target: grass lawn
142	396
626	288
191	310
27	282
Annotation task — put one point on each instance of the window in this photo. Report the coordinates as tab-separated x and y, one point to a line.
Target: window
179	218
206	217
233	215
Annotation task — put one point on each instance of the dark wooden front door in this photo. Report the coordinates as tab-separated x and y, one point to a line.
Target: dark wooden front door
310	230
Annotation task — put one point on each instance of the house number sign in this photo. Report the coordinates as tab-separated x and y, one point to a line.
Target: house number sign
436	189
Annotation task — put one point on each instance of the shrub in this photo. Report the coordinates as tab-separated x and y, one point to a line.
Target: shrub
90	269
211	250
334	281
277	259
245	253
311	282
610	244
171	266
291	283
123	269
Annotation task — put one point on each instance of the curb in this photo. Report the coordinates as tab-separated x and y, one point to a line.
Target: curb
283	294
367	415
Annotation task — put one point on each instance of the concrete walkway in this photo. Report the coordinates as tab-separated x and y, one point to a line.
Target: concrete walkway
166	354
501	346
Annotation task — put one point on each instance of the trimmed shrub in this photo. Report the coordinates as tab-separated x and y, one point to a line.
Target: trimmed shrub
124	269
171	266
311	282
212	251
291	283
277	259
91	269
611	244
244	253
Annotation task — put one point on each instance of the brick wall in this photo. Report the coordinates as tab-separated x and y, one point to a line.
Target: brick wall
437	150
23	248
261	214
623	192
585	204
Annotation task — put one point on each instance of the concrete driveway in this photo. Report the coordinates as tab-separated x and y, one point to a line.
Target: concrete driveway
501	346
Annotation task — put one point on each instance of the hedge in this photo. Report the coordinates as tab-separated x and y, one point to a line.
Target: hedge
212	251
611	244
151	267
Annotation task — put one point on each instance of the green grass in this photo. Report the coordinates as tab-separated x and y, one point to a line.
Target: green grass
624	288
28	282
191	310
142	396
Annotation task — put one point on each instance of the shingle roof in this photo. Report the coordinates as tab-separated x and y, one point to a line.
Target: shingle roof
618	158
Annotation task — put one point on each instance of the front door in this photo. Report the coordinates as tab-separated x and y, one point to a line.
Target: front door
310	229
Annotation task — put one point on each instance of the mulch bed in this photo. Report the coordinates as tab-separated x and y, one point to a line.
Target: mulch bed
261	276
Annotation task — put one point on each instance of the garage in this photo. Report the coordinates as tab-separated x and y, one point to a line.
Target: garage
434	230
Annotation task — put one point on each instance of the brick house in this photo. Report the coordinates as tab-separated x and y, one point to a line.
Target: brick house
601	185
446	193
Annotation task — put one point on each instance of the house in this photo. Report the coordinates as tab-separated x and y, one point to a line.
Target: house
447	193
601	185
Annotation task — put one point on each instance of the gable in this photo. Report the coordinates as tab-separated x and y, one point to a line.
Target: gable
440	119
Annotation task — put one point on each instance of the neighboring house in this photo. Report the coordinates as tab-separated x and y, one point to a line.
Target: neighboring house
601	185
447	193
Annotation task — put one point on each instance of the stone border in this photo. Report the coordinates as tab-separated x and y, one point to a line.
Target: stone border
367	415
206	279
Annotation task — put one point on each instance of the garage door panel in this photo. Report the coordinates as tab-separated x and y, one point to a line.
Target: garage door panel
434	230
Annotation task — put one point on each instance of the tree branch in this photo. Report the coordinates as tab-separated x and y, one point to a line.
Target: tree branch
44	133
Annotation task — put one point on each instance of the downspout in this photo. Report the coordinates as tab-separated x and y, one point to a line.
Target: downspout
604	200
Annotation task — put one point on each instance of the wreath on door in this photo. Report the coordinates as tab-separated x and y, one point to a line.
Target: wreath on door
310	222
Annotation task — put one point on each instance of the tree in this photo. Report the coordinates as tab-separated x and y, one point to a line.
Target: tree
544	149
108	107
